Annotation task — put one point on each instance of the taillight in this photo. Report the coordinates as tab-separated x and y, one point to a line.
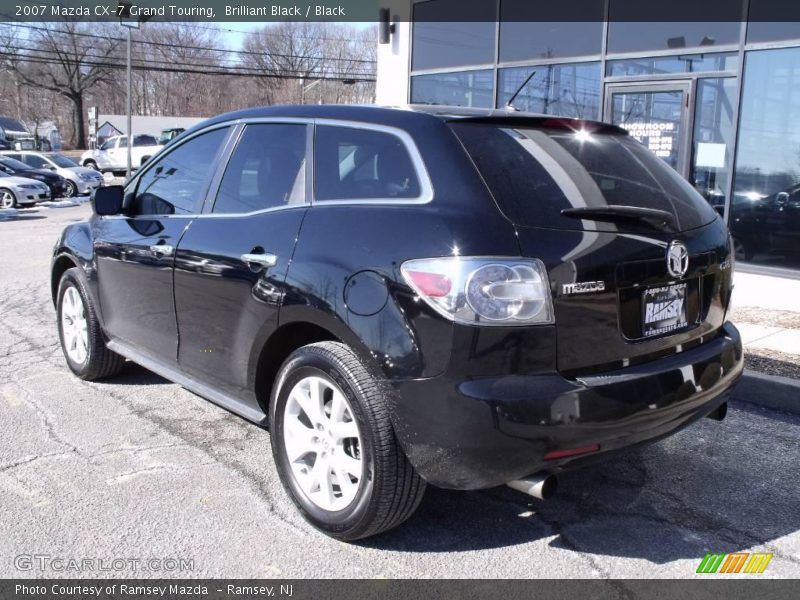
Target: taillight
483	291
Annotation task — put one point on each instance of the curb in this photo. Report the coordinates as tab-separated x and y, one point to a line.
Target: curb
770	391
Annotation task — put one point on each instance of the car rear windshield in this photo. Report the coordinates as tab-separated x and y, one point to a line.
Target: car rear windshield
535	173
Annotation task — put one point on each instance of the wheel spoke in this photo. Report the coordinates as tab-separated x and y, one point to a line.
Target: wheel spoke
346	463
321	481
338	407
309	401
298	439
345	429
346	485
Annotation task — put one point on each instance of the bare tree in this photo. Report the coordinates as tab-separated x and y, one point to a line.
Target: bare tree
290	56
68	62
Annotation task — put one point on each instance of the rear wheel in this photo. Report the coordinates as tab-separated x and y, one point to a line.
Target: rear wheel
334	445
79	331
7	198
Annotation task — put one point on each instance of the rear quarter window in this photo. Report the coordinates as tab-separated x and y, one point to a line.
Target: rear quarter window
362	164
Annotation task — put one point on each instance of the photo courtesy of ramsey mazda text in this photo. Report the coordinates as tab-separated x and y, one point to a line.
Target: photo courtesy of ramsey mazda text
462	298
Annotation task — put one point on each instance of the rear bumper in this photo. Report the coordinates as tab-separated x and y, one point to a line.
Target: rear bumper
485	432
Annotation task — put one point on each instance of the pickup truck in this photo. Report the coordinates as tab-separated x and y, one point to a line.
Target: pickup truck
112	155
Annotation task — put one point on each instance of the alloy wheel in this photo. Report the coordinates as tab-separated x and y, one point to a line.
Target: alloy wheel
72	189
74	326
323	443
6	199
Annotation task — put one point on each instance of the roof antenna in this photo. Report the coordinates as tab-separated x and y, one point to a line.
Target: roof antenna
510	103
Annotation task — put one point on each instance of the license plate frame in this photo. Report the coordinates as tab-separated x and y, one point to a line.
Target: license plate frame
664	309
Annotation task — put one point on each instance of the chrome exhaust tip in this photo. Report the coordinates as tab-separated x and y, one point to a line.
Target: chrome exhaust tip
540	485
719	413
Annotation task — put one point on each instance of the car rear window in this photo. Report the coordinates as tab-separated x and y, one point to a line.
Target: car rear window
535	173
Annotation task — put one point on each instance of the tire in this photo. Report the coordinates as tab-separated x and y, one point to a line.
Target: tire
388	490
7	198
97	361
90	164
72	189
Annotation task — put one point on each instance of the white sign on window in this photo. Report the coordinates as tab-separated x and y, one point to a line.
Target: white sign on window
709	155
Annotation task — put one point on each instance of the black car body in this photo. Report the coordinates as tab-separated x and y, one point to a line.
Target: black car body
495	274
56	183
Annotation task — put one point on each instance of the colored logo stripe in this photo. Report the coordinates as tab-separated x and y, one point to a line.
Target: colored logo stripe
734	562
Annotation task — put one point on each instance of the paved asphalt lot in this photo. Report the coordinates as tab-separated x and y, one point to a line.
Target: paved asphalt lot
138	468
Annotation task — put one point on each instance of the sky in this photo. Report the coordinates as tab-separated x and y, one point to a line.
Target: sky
233	33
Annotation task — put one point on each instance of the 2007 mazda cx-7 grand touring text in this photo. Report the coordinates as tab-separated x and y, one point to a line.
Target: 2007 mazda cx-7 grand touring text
413	296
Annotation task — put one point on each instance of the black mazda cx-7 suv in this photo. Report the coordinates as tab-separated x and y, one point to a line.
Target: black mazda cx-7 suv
415	296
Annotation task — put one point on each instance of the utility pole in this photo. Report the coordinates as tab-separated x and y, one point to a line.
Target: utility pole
129	107
130	24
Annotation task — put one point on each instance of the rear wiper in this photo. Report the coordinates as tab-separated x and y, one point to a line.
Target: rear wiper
659	219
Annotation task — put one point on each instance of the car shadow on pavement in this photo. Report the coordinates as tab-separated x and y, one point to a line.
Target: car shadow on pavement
23	217
134	374
677	499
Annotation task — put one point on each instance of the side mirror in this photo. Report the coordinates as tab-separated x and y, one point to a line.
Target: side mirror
52	168
107	200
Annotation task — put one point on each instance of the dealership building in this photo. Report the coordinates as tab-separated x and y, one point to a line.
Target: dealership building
719	101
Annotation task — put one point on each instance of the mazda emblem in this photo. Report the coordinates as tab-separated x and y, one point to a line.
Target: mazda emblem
677	259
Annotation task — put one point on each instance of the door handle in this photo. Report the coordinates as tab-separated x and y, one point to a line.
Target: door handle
261	260
162	249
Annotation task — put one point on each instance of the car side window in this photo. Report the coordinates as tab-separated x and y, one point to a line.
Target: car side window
144	140
353	163
122	142
107	145
175	183
266	170
36	162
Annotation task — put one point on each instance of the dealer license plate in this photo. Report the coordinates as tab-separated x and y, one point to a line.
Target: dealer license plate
663	309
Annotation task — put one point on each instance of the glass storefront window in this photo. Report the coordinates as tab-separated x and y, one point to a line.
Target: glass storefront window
521	40
571	90
762	29
687	63
765	208
644	37
464	88
771	31
712	142
438	43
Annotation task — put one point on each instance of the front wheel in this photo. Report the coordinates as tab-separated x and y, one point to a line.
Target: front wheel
334	445
72	189
79	331
90	164
7	199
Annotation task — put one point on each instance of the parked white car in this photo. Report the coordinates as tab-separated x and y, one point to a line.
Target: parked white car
19	191
112	155
80	180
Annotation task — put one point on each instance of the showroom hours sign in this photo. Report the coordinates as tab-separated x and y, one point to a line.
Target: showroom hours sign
658	137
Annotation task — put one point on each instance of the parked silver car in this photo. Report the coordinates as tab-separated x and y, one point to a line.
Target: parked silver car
80	180
20	191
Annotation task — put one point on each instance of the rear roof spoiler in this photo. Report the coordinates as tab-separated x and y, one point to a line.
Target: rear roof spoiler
543	122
